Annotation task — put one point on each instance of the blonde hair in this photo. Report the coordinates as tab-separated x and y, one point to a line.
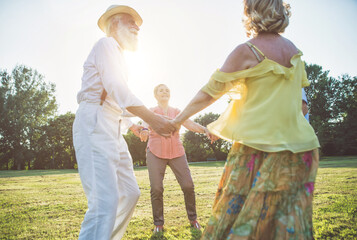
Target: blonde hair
265	16
157	88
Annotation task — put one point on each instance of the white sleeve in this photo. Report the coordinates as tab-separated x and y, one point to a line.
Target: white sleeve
145	125
125	124
111	68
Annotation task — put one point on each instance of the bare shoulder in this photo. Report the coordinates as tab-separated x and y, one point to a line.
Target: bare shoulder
291	45
240	58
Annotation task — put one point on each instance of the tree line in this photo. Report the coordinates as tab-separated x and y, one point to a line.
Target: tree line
34	136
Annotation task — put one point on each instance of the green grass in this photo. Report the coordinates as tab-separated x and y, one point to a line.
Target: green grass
51	204
335	202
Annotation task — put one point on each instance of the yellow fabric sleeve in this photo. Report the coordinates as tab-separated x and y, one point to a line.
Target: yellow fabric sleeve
221	83
304	81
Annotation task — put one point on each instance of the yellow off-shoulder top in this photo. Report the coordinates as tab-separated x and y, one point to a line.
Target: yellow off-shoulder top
268	114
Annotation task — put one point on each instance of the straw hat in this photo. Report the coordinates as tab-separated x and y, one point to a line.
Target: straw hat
115	9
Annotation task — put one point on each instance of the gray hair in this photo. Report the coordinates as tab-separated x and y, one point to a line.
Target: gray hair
265	16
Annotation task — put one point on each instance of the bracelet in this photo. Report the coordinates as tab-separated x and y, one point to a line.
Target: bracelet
144	129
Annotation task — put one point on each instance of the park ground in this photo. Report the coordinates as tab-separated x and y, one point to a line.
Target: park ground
50	204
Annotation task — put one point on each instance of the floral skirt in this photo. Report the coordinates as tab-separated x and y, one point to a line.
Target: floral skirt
264	195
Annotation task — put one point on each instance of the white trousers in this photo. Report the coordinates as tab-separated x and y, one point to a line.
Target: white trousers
106	171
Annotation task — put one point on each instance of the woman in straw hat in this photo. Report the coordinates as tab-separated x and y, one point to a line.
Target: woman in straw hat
267	185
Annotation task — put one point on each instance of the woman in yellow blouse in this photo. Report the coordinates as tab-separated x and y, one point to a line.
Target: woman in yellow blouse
267	184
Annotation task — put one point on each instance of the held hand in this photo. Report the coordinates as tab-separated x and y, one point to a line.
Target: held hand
144	134
163	127
167	117
176	125
136	129
211	136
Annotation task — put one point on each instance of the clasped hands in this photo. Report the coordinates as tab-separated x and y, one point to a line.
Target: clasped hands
166	128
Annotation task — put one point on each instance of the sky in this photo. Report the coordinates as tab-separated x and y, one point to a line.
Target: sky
181	42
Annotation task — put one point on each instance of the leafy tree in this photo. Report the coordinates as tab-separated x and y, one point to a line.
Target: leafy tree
31	137
198	146
26	104
321	98
332	104
54	149
136	149
194	147
346	127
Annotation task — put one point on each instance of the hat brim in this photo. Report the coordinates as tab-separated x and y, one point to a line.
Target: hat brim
102	22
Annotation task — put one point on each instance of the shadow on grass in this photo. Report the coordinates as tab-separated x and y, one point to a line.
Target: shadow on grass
192	164
208	164
338	162
27	173
195	233
158	236
141	168
325	162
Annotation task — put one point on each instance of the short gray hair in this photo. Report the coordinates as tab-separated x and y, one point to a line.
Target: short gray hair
265	16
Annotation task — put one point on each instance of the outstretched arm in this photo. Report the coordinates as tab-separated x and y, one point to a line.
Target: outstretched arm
193	126
198	103
234	62
198	128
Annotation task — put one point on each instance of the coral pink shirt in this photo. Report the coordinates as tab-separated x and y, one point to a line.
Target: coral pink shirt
162	147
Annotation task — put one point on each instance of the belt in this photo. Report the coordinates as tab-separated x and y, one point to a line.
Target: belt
103	96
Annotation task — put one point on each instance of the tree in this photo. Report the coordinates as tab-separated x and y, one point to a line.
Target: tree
346	127
136	149
198	146
320	95
26	104
54	149
332	104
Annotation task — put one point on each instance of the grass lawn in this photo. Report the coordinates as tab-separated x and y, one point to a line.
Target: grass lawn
50	204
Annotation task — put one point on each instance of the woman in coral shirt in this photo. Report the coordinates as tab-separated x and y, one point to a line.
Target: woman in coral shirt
162	152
